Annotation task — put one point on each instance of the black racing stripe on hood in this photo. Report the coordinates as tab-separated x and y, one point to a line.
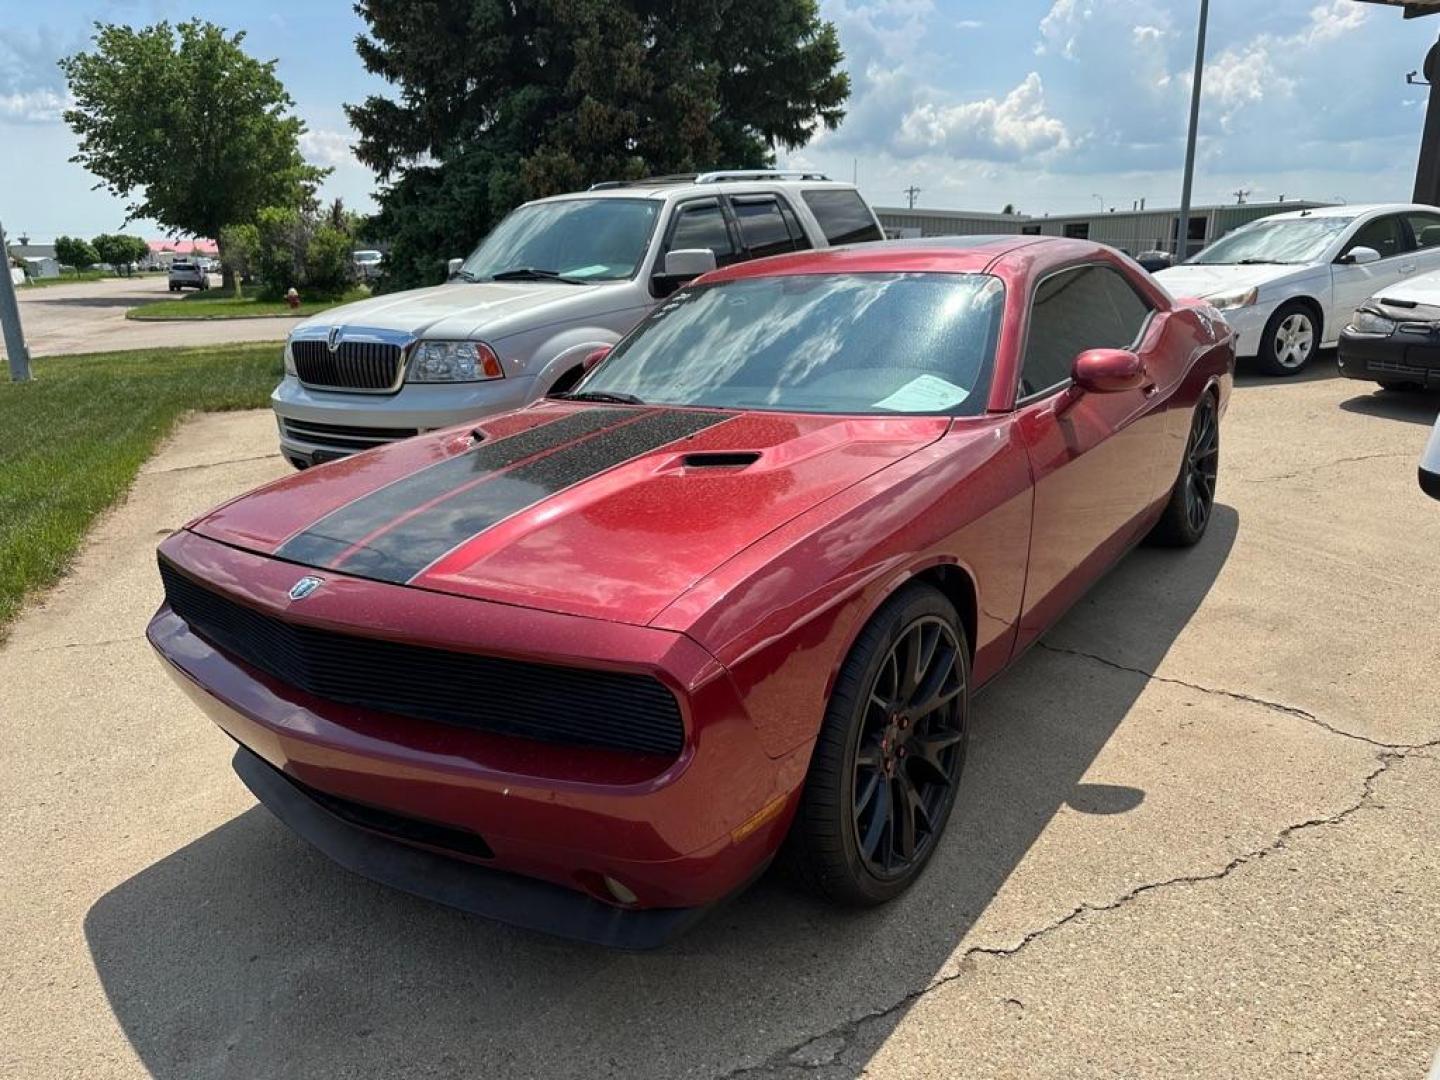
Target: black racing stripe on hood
403	552
337	532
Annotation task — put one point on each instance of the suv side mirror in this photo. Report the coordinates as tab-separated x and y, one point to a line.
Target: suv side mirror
1430	466
682	265
453	267
1360	256
1109	371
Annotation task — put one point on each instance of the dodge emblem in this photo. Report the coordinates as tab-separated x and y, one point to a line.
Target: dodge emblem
304	587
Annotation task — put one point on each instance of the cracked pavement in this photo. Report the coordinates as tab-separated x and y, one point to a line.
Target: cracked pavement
1199	836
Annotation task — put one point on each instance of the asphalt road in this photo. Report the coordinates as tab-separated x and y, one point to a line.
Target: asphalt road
89	316
1199	837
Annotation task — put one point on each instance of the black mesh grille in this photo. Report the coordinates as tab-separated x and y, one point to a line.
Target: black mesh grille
614	710
342	437
354	365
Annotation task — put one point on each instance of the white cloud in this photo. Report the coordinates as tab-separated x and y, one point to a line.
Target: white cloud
34	106
1148	34
1010	127
322	147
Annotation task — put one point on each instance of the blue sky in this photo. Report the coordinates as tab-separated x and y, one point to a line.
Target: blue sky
1054	105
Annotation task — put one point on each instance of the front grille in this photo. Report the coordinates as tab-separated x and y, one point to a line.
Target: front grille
1392	367
354	365
613	710
341	437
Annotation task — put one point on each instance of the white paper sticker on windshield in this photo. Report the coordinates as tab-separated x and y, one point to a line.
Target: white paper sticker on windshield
587	271
928	393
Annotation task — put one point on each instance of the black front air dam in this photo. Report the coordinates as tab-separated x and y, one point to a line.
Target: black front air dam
492	894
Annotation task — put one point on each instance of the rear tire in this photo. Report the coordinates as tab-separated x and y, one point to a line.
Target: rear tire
1291	339
1192	500
889	757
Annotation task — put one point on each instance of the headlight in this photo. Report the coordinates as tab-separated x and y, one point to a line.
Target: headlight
289	361
454	361
1231	301
1372	322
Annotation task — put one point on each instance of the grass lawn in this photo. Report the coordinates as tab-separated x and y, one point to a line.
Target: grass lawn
213	304
75	436
67	279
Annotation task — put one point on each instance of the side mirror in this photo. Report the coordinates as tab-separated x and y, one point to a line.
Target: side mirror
1109	371
453	267
1430	466
1360	256
686	264
593	358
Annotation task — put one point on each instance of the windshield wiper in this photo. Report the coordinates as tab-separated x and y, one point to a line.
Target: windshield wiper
1262	262
601	395
530	273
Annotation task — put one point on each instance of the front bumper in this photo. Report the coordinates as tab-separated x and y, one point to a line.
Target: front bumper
322	425
1249	325
678	834
1404	357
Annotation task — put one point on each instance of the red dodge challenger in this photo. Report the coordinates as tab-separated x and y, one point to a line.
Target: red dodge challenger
590	666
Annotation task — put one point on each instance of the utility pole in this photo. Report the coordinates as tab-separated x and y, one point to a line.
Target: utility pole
10	320
910	193
1182	236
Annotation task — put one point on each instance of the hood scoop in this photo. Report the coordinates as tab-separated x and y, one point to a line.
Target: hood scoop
720	459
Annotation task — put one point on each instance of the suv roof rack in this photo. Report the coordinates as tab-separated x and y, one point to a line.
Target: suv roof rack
646	181
734	175
720	176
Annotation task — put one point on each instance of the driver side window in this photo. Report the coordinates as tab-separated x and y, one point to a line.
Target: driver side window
1382	234
701	225
1088	307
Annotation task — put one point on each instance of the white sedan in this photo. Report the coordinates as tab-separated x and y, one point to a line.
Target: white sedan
1289	283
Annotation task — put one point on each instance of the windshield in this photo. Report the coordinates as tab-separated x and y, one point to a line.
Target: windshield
579	239
1293	240
822	343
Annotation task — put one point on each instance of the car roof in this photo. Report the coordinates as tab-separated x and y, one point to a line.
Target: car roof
1351	211
939	254
639	189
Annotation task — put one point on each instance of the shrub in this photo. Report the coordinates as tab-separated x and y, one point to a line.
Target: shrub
328	264
240	251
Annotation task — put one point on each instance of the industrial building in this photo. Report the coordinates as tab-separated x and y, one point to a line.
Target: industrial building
1132	231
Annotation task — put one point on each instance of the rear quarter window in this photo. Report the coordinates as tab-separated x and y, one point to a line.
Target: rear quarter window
843	216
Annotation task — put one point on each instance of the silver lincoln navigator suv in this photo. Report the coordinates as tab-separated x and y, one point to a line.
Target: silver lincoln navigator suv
557	280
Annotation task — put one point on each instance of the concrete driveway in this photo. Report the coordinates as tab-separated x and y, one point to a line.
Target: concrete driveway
1200	836
89	316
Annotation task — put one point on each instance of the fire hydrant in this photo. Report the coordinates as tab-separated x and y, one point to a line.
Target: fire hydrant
292	297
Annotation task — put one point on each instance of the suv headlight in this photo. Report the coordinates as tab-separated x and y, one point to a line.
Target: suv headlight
1372	322
454	361
290	361
1234	300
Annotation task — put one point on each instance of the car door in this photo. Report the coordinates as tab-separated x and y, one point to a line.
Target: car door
1353	284
1425	240
1094	457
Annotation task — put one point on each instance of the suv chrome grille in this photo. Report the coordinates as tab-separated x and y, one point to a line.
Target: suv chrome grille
353	365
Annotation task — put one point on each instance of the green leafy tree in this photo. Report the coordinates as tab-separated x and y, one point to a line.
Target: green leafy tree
504	100
119	250
187	127
72	251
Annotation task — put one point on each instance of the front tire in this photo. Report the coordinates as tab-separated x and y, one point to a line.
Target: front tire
1192	500
889	757
1291	339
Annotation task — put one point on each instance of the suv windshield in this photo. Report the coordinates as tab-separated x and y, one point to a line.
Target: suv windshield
1293	240
580	239
821	343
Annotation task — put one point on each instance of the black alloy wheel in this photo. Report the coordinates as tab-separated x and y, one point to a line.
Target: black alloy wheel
889	755
1192	500
909	749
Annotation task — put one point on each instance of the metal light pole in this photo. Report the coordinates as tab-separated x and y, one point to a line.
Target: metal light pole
1182	234
10	320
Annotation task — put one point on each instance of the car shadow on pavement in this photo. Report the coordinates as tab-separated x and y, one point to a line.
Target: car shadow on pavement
1324	365
96	301
247	954
1412	407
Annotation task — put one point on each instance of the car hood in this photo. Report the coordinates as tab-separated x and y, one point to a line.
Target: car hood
1423	289
604	511
1206	281
462	310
